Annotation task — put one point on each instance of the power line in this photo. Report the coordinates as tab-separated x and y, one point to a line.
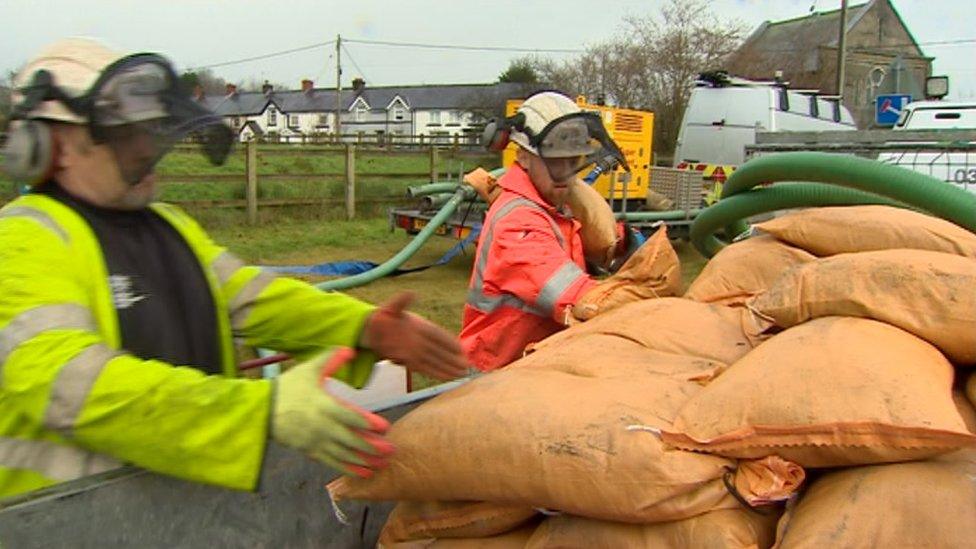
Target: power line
462	48
958	41
266	56
354	63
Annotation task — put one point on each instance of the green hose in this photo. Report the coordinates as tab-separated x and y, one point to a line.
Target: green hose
403	255
670	215
768	199
872	183
431	188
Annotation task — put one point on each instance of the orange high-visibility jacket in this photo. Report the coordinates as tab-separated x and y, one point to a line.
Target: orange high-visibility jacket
529	269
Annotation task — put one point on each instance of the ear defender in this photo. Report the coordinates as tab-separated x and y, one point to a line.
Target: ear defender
28	155
29	152
496	135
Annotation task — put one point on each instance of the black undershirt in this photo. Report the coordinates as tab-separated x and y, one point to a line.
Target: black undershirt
164	304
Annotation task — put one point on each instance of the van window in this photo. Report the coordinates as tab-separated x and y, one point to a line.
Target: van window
784	99
836	110
814	108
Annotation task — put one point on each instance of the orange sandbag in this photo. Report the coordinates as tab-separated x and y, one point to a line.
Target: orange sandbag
732	528
599	227
418	520
743	269
516	539
566	442
847	229
484	184
920	504
671	325
832	392
653	271
930	294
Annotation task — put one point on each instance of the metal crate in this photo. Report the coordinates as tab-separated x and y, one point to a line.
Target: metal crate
685	188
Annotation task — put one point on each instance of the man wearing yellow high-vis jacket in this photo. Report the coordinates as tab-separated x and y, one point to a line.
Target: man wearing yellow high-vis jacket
118	314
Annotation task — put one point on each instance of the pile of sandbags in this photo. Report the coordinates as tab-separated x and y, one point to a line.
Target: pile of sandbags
826	348
859	346
573	428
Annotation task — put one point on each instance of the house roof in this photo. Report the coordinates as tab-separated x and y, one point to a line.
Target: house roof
809	31
254	127
443	96
798	39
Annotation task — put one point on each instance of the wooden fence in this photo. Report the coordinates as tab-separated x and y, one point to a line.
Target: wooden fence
252	179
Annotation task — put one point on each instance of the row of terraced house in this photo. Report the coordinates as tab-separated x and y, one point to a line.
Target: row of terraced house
441	113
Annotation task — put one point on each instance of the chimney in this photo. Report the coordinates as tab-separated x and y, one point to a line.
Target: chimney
267	88
307	85
231	89
198	92
358	84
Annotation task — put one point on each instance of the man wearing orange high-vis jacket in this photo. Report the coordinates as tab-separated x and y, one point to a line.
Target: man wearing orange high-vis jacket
118	314
529	265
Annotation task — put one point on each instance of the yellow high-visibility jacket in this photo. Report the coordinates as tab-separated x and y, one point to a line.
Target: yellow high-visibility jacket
73	403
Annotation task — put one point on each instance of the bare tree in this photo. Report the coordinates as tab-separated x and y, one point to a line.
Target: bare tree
683	40
651	64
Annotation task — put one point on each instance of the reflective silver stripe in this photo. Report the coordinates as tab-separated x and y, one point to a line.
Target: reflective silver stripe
32	322
489	303
225	266
70	390
485	303
558	283
243	302
37	215
54	461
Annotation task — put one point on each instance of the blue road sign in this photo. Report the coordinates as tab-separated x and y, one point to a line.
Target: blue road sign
888	108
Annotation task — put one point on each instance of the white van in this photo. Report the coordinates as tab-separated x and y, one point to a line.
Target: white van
724	113
953	162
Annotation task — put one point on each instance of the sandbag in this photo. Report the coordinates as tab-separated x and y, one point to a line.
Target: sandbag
848	229
831	392
599	227
419	520
670	325
743	269
732	528
929	294
484	184
653	271
573	443
920	504
516	539
658	202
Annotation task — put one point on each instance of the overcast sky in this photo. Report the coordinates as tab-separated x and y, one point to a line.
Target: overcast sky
198	33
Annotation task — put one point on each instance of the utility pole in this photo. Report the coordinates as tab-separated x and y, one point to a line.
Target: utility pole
338	112
841	46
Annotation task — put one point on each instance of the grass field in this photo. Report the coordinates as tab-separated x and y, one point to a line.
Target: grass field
440	290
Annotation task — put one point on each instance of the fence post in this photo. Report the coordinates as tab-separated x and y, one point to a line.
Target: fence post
350	181
251	172
433	163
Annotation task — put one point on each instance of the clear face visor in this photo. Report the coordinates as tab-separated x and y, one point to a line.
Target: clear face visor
139	110
572	142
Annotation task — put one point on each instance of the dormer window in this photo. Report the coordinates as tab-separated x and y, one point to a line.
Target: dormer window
272	116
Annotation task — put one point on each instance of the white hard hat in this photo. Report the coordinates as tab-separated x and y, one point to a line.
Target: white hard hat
540	110
74	65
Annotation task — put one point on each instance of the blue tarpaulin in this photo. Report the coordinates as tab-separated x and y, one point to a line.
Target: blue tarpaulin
349	268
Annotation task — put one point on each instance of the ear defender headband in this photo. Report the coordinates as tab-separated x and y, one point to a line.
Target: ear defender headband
133	89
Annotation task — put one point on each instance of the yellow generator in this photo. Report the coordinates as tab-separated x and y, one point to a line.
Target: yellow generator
632	131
